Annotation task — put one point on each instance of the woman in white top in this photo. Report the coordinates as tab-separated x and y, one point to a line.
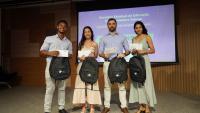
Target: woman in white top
93	95
145	95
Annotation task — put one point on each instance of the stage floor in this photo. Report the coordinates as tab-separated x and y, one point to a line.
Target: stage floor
30	100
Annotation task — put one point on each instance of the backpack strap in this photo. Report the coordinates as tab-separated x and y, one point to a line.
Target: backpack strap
85	89
91	86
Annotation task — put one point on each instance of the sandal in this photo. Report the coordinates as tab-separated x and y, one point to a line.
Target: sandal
83	110
147	111
92	110
141	110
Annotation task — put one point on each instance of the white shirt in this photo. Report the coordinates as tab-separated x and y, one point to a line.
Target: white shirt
53	43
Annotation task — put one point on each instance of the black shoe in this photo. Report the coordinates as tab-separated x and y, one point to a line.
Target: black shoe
105	110
46	112
63	111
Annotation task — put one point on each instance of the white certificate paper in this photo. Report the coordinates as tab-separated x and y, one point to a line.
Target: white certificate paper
136	46
110	50
63	53
85	53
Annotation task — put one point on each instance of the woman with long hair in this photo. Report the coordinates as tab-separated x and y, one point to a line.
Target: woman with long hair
93	94
143	94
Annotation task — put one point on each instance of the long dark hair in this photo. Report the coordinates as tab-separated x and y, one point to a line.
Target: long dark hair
84	38
144	30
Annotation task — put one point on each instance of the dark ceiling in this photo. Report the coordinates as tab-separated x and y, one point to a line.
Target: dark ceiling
6	3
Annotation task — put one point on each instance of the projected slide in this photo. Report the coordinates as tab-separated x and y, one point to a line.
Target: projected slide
159	20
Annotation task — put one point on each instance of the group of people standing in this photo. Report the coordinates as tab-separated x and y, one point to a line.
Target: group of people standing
111	45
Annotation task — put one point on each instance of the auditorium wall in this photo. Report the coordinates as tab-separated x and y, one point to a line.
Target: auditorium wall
24	29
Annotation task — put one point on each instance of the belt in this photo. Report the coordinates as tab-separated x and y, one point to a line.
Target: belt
107	60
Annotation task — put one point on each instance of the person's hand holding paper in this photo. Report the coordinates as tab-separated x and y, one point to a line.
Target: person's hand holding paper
63	53
84	53
135	48
110	51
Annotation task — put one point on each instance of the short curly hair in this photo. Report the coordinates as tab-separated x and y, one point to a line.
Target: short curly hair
62	21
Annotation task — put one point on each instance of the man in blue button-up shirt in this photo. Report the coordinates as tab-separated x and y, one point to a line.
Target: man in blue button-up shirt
112	45
48	50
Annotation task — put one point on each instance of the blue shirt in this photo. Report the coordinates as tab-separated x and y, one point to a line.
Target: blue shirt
53	43
116	43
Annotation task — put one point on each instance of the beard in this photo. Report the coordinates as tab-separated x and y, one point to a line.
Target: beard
112	29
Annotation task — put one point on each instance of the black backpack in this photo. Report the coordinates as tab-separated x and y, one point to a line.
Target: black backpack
137	69
60	68
117	70
89	70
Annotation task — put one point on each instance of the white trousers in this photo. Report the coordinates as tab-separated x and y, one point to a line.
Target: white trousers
50	88
107	89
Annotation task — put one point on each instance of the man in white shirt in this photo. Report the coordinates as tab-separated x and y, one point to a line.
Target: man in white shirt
48	50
